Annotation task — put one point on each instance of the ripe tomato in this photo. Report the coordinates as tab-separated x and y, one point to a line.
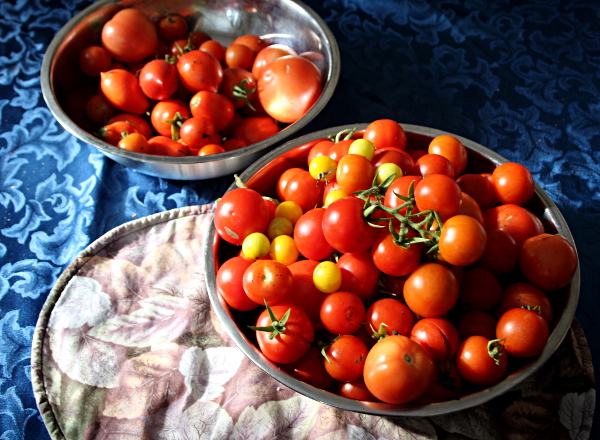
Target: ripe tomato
209	149
165	146
342	313
431	290
214	107
468	206
480	188
196	132
439	193
284	339
283	250
521	294
548	260
268	280
447	384
302	189
288	87
327	277
309	237
304	294
513	183
479	290
400	187
501	252
359	274
158	79
310	369
129	36
113	132
267	55
524	332
122	89
93	60
438	336
354	173
172	27
99	109
214	48
393	259
477	322
239	55
164	113
140	123
199	70
388	316
256	129
430	163
452	149
229	283
345	358
239	213
398	370
385	133
254	42
462	240
478	364
345	228
515	220
134	142
356	390
396	156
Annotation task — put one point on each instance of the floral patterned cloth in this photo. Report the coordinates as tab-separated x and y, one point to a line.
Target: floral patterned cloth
128	347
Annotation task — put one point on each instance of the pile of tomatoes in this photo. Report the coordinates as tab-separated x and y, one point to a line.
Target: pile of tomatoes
166	90
390	272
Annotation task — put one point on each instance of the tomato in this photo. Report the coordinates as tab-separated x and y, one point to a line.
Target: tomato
388	316
256	129
93	60
462	240
320	148
309	237
267	55
196	38
134	142
283	250
122	89
339	149
523	332
212	106
268	280
209	149
196	132
362	147
430	163
327	277
401	187
288	87
359	274
385	133
398	157
256	245
158	79
342	313
345	358
304	294
165	113
140	123
501	252
290	210
239	55
452	149
478	187
129	36
477	322
398	370
229	283
479	290
431	290
239	213
112	133
310	369
199	70
354	173
285	339
233	144
284	178
438	336
393	259
254	42
214	48
548	260
172	27
513	183
515	220
477	365
526	295
439	193
447	384
238	85
302	189
356	390
468	206
165	146
99	109
345	228
322	168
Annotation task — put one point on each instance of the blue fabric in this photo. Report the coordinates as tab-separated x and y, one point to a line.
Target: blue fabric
521	78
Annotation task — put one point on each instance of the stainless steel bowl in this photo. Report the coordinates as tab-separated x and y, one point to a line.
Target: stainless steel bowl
279	21
481	159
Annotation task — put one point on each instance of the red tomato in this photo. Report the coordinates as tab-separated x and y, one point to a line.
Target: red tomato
515	220
396	156
476	322
388	316
267	55
438	336
439	193
429	164
134	142
393	259
304	293
401	187
523	332
239	213
476	364
501	252
526	295
319	149
229	283
462	240
129	36
310	369
256	129
165	146
452	149
398	370
354	173
356	390
431	290
288	87
385	133
289	338
196	132
209	149
122	89
172	27
196	38
304	190
158	79
140	123
99	109
479	290
164	115
339	149
345	358
308	235
238	85
342	313
93	60
199	70
284	178
480	188
113	132
268	280
254	42
345	228
214	48
513	183
359	274
468	206
447	384
548	260
239	55
213	106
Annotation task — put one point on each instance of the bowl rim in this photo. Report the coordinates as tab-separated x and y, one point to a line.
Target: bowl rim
330	82
558	333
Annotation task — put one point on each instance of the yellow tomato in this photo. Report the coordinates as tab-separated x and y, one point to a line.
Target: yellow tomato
283	250
385	170
334	195
279	226
327	277
256	245
322	167
364	147
290	210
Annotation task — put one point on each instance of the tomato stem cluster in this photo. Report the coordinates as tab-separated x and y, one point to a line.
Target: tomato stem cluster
277	326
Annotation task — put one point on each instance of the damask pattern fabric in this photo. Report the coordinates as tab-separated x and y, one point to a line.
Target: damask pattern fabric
521	78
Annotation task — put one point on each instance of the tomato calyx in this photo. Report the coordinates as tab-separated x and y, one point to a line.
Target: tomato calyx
381	332
495	348
277	326
175	125
241	91
325	345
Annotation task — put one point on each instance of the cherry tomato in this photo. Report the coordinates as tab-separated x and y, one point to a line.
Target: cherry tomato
309	237
238	85
462	240
513	183
452	149
140	123
267	55
515	220
396	156
122	89
290	210
164	113
479	290
288	87
112	133
468	206
178	48
480	188
172	27
304	294
211	148
356	390
196	38
523	332
229	283
268	280
255	245
199	70
430	163
342	313
239	55
439	193
345	358
359	274
386	133
256	129
548	260
322	168
254	42
354	173
343	223
196	132
327	277
239	213
526	295
287	339
129	36
398	370
233	144
438	336
339	149
283	250
388	316
158	79
93	60
476	364
165	146
477	322
213	106
302	189
431	290
393	259
447	384
310	369
134	142
99	109
400	187
501	252
214	48
320	148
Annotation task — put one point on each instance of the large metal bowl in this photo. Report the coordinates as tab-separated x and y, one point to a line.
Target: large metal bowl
278	21
262	176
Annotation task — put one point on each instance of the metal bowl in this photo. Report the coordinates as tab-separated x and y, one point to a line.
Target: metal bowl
262	176
277	21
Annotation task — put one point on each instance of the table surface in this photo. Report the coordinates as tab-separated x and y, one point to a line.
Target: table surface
519	78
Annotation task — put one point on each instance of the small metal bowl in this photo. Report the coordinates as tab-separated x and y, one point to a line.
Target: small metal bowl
262	176
277	21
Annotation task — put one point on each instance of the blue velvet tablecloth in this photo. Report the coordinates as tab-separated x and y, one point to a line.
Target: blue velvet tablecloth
522	78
